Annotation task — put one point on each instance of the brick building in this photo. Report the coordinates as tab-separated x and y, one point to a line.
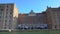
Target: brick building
33	19
50	18
53	17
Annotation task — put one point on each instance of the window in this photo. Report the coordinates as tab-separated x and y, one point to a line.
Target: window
0	16
6	9
10	16
55	26
5	21
6	12
9	27
0	20
6	16
9	20
4	27
0	13
11	10
7	6
1	6
1	9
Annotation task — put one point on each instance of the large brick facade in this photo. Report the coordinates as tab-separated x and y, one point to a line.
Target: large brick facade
32	19
51	17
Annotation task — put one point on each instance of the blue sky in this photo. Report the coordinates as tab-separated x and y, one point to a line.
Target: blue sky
25	6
